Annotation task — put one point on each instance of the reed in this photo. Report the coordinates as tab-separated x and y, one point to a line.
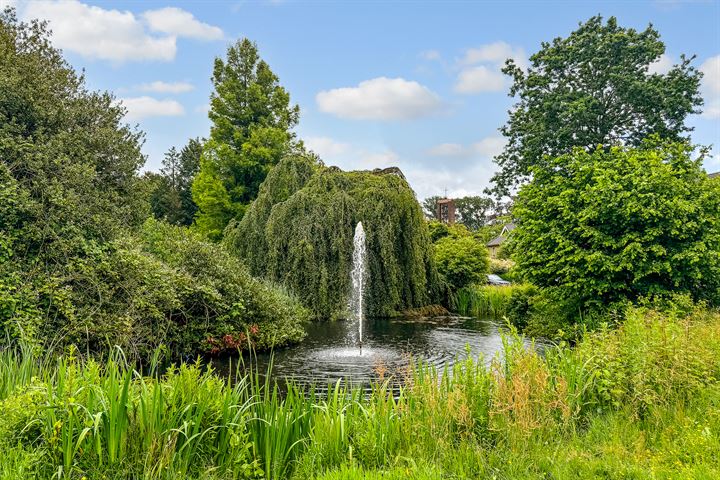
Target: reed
568	413
485	300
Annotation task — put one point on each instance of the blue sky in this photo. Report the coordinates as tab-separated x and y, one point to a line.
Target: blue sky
412	84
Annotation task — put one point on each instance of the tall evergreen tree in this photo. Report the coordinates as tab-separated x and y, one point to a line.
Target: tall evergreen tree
171	197
252	122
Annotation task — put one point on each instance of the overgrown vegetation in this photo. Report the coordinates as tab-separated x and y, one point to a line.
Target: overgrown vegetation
621	224
299	232
640	400
78	262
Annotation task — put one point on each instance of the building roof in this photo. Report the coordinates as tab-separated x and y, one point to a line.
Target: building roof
714	175
496	242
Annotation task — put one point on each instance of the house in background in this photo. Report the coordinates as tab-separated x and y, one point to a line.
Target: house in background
714	175
494	244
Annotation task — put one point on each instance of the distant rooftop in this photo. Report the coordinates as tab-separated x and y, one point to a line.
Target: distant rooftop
714	175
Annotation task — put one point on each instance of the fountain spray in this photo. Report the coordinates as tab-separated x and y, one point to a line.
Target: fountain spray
357	275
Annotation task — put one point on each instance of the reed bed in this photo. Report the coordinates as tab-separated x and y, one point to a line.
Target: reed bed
641	398
485	300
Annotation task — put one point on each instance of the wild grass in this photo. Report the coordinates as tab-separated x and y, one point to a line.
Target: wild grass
640	401
485	300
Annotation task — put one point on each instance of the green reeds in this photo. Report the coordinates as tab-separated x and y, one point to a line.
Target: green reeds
484	300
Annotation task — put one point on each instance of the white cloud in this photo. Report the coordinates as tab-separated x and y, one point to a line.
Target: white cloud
178	22
118	36
495	53
326	147
144	107
430	55
447	150
662	65
480	79
380	99
489	146
204	108
166	87
94	32
710	87
482	67
387	158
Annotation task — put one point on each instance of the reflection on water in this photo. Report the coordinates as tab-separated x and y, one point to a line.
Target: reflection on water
330	351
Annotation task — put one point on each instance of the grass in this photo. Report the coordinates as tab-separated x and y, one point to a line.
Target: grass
485	300
641	401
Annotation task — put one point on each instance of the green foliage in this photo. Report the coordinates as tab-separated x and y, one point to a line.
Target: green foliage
474	211
639	401
593	88
252	121
299	232
490	300
620	224
429	206
77	265
461	261
171	197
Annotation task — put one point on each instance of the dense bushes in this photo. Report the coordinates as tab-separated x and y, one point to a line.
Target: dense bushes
77	265
299	232
619	224
640	398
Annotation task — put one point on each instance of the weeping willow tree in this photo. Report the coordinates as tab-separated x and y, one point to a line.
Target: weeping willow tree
299	233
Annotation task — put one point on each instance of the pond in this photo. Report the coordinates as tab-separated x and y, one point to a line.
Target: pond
331	352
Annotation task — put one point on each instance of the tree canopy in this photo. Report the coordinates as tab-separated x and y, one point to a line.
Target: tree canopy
595	87
621	224
171	194
252	121
299	232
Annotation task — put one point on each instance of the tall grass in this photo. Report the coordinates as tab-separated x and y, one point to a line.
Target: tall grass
485	300
636	399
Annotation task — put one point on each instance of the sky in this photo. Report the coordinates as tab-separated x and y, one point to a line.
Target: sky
412	84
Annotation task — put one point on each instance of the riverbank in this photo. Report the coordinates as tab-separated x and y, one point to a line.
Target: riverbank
640	401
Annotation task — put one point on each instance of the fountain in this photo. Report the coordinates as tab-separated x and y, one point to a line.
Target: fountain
357	275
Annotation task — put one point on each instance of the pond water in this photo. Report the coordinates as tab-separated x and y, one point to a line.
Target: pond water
331	352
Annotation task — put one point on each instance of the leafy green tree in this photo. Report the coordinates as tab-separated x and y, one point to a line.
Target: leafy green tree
594	87
252	122
429	206
474	211
621	224
171	197
461	260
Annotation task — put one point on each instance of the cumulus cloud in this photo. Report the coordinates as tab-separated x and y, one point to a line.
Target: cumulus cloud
166	87
380	99
384	159
145	107
480	79
710	87
447	150
481	67
489	146
178	22
662	65
119	36
326	147
495	53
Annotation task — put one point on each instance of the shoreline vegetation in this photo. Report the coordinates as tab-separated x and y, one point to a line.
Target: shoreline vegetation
639	401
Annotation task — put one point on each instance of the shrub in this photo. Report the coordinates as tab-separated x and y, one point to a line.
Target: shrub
621	223
461	261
